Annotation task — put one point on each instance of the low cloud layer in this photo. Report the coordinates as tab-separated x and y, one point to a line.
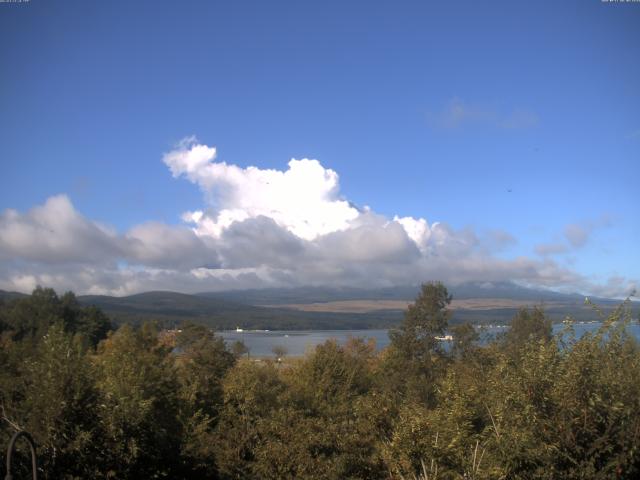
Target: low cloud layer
261	228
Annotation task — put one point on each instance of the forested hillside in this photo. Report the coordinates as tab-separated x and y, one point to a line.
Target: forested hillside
219	313
145	403
287	307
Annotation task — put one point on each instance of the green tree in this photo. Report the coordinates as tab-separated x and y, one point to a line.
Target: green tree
202	364
465	337
239	349
139	406
93	324
529	325
252	393
53	397
414	358
424	320
596	425
29	318
323	425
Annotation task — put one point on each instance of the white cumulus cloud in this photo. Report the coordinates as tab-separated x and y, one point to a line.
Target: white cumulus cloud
263	228
304	198
55	232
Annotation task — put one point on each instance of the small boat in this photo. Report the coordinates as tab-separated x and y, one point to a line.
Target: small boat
238	329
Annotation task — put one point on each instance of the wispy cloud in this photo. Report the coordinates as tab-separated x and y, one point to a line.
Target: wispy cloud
519	119
576	235
545	249
634	135
458	113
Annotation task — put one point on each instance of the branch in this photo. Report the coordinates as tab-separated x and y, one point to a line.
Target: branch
13	425
492	421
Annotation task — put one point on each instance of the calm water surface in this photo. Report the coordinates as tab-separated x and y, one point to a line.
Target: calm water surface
261	343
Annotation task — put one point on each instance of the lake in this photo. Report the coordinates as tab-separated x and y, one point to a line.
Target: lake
296	343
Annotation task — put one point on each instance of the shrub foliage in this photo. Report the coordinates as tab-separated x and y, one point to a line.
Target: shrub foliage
138	403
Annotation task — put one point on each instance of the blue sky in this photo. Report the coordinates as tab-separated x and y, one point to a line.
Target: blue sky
510	120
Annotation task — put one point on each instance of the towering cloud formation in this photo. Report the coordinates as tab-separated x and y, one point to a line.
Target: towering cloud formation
303	199
259	228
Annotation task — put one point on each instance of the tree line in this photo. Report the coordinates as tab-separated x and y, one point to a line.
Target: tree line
107	403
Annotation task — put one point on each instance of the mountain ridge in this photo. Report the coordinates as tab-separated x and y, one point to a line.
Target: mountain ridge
305	308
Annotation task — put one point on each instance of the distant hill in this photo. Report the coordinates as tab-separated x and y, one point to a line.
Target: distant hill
164	303
171	308
283	296
505	290
473	302
330	308
4	295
